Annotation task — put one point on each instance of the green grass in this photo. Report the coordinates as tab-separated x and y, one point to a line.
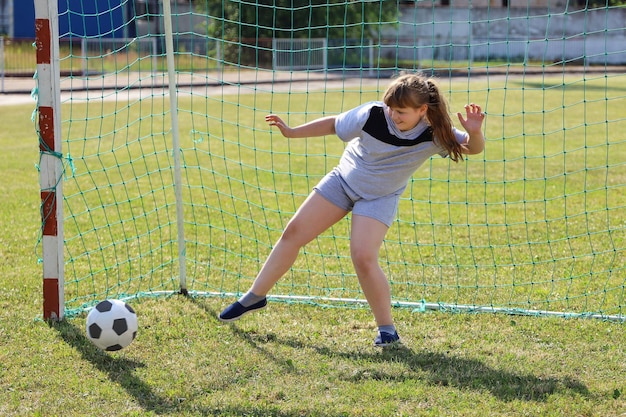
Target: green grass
299	359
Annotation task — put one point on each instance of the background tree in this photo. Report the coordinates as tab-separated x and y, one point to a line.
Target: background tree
247	28
601	3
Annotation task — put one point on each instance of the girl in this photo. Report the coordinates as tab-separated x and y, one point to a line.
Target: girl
387	142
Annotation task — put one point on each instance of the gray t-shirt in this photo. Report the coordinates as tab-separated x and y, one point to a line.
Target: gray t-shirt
374	167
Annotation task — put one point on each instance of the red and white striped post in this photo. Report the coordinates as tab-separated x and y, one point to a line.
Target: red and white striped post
51	160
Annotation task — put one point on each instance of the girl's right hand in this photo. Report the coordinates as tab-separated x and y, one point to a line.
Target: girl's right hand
274	120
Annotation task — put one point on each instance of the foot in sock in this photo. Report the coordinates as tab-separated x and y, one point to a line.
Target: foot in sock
386	339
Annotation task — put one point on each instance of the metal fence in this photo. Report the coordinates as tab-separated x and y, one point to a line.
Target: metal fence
84	58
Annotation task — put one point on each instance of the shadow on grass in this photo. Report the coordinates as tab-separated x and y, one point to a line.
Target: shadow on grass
436	368
450	370
439	369
255	341
119	370
251	340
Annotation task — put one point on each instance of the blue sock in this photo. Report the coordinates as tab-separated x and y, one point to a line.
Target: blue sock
250	298
390	328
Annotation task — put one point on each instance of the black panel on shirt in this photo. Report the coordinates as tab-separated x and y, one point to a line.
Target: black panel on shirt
376	126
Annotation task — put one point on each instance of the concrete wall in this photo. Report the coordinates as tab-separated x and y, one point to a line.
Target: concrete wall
559	4
556	34
586	36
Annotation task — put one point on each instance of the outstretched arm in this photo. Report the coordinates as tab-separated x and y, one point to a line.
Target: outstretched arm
472	123
319	127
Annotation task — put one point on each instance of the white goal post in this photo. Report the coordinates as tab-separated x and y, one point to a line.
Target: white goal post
51	157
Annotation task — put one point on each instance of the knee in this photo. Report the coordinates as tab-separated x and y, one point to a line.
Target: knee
294	235
363	260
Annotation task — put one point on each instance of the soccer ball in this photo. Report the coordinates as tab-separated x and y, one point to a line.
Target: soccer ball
112	325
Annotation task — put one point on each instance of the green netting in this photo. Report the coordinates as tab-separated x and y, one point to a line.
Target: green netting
534	225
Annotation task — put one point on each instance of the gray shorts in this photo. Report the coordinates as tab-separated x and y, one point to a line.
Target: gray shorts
334	189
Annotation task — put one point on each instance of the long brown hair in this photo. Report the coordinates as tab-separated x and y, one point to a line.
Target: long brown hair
415	90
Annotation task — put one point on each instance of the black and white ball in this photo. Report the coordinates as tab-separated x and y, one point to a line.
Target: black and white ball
112	325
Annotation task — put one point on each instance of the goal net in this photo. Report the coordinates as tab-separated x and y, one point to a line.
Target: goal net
162	176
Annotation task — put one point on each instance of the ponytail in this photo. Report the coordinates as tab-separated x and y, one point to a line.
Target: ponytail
441	123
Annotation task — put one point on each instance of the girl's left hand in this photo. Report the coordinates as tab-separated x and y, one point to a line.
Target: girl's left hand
474	118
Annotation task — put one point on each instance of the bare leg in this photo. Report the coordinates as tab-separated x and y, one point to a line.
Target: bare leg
365	241
313	217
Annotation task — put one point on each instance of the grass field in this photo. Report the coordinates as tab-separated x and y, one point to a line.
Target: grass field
305	360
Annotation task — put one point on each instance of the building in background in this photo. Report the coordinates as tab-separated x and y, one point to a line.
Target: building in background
484	30
93	18
17	17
